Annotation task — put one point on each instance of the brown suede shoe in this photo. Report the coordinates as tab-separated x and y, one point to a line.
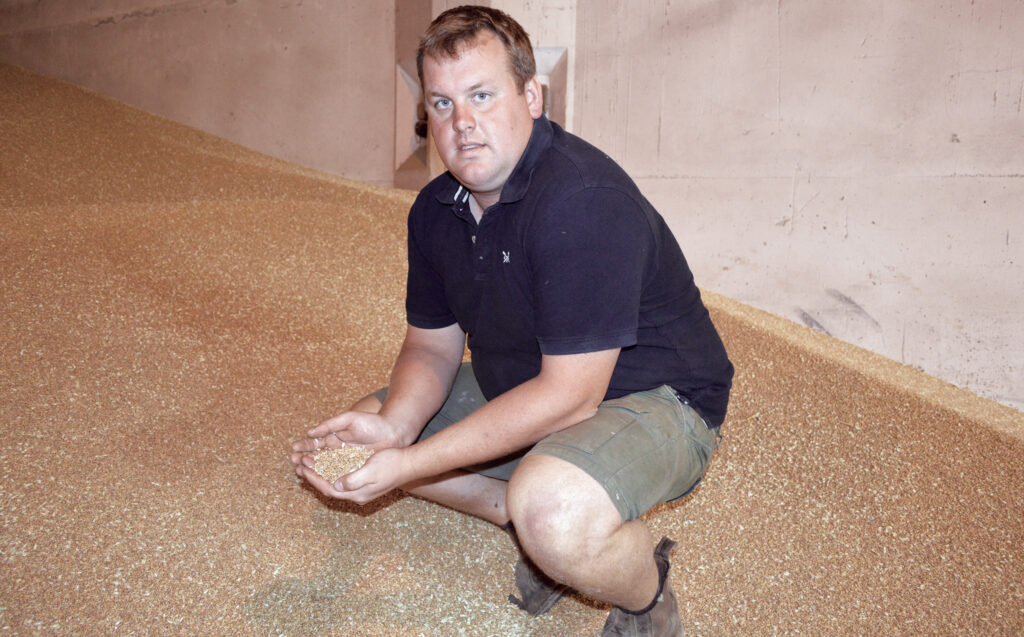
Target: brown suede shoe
539	592
661	618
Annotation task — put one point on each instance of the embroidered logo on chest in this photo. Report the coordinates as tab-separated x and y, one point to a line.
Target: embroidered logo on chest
506	257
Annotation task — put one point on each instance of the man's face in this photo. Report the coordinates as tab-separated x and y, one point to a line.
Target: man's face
480	122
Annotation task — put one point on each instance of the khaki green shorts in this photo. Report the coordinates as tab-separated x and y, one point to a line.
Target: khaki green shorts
644	448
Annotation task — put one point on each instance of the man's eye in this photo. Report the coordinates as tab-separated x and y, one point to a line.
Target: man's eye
442	103
480	97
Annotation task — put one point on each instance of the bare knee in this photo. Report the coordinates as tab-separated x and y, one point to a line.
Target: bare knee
541	508
561	515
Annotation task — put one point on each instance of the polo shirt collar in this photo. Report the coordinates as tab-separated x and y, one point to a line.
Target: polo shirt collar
518	182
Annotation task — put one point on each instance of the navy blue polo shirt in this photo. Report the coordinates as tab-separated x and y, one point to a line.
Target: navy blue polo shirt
571	259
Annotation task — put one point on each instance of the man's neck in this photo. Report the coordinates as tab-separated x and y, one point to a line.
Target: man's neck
476	208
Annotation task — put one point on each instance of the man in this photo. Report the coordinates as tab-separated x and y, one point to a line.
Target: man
598	382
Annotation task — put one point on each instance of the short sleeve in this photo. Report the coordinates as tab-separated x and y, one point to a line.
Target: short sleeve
425	303
588	260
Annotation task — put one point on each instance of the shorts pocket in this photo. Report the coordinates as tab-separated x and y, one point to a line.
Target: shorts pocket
592	435
626	427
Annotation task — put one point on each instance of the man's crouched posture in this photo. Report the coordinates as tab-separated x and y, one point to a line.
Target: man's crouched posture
598	382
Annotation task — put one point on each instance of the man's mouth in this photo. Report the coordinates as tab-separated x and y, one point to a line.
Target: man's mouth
470	146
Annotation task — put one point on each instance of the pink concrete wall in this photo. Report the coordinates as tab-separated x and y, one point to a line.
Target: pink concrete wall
858	167
310	82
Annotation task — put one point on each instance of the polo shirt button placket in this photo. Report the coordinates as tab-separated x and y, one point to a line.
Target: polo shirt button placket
480	250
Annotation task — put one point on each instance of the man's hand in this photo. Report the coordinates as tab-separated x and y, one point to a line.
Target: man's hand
357	428
350	428
386	470
420	381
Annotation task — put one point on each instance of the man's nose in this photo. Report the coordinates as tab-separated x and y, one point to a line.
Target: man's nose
462	118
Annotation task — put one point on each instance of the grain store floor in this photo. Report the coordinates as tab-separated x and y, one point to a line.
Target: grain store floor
177	309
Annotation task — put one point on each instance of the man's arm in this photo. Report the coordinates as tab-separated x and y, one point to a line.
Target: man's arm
422	376
567	391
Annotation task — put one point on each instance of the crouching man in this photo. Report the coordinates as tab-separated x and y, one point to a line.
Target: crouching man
598	382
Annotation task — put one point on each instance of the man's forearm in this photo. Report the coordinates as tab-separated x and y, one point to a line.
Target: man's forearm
420	381
520	417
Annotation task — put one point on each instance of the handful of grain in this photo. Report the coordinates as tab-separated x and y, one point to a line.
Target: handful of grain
331	464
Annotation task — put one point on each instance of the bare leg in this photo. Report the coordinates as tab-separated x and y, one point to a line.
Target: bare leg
567	524
467	492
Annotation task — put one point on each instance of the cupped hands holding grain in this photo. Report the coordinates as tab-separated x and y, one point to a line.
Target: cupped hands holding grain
387	468
350	428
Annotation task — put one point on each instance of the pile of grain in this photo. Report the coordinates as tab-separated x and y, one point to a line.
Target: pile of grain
332	464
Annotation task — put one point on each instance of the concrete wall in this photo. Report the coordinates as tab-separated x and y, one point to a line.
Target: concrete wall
310	82
853	166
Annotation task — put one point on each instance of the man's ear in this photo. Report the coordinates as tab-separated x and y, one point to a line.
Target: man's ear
534	97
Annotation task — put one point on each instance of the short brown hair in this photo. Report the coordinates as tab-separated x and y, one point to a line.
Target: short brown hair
461	25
